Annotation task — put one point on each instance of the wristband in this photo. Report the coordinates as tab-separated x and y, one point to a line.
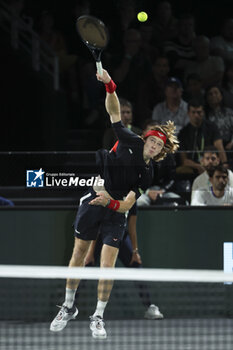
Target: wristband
110	87
114	205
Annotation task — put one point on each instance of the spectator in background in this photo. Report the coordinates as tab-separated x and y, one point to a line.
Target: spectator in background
67	63
222	45
55	40
227	85
209	159
173	108
210	68
219	194
146	31
151	90
195	136
219	114
17	8
165	24
193	88
180	50
126	107
131	66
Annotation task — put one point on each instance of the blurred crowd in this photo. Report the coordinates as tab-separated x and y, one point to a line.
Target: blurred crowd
164	68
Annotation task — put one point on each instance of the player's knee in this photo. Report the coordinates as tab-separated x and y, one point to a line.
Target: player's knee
79	252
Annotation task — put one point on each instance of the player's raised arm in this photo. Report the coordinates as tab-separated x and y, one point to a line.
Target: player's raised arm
111	102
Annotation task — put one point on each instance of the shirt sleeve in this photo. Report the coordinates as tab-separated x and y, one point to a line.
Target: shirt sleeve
197	198
125	135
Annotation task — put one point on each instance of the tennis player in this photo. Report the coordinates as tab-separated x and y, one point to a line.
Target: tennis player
127	170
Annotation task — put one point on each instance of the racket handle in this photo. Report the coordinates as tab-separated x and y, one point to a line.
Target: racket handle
99	68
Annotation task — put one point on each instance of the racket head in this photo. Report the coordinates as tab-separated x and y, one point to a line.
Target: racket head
93	33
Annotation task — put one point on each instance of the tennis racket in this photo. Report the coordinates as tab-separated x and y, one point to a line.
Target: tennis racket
94	34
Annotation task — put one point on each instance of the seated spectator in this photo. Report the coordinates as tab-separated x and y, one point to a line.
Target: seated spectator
209	159
162	190
227	85
67	62
146	31
151	90
219	194
195	136
222	45
180	49
210	68
193	88
165	24
173	108
131	66
127	118
222	116
55	40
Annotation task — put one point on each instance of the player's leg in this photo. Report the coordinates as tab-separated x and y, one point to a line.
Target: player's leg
107	259
85	229
77	259
68	311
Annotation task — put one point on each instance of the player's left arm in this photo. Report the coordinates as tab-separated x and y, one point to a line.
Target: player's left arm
121	206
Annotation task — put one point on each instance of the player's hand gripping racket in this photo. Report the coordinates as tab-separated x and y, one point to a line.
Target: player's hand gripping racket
94	34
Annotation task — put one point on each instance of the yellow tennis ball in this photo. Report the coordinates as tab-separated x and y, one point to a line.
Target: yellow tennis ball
142	16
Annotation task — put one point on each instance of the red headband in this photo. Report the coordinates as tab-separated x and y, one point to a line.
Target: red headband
158	134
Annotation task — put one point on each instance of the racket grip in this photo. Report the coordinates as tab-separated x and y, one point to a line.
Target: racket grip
99	68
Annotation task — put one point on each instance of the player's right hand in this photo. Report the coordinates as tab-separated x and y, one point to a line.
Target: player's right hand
105	78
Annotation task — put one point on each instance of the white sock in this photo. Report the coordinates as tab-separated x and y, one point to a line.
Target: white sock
100	307
69	298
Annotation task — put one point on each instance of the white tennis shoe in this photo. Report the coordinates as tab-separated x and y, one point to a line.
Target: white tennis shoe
97	327
63	317
153	313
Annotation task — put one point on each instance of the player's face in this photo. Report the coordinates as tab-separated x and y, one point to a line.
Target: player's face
153	146
219	180
210	159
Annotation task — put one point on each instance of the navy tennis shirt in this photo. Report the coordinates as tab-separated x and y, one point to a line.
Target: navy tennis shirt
125	169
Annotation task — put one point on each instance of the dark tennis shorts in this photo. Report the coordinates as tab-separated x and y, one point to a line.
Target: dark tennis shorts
92	220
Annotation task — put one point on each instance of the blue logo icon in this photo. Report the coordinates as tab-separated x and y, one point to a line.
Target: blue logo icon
35	178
